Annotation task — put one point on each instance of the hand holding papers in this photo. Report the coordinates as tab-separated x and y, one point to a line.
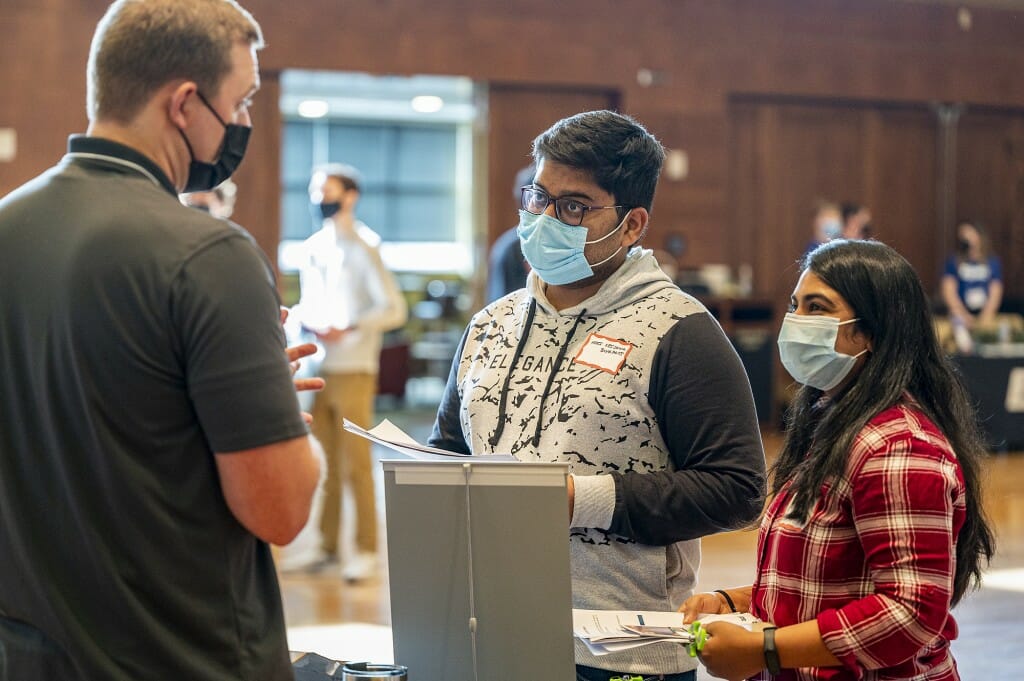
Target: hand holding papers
612	631
393	437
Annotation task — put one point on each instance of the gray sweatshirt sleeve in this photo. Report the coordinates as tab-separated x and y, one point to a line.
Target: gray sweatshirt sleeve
447	432
716	476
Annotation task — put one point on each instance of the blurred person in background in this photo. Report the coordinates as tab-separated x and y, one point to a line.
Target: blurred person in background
856	221
348	300
507	267
972	284
827	224
218	202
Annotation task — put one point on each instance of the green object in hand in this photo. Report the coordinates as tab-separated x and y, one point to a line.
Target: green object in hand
700	637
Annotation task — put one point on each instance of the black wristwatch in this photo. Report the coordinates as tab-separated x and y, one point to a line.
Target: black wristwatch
771	653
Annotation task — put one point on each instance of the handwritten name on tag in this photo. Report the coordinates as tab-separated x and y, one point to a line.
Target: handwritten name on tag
604	353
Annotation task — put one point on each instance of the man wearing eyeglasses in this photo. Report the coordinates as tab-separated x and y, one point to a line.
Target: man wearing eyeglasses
602	362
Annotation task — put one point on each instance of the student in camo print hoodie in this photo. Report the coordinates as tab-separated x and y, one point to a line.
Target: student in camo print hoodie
602	362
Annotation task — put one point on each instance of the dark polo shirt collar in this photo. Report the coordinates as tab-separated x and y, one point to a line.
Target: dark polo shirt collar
94	148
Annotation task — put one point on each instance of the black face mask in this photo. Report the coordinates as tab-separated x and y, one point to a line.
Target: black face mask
204	176
327	209
963	245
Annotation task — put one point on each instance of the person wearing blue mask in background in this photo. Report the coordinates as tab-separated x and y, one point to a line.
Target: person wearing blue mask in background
828	224
603	363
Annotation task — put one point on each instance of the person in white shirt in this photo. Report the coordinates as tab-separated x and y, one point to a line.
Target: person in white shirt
348	301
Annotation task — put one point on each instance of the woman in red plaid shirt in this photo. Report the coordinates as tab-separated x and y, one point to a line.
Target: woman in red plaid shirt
876	529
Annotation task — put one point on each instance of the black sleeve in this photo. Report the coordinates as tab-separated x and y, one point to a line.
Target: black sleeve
447	432
227	316
496	286
514	266
507	266
705	410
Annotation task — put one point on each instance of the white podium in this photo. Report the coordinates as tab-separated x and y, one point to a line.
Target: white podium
478	555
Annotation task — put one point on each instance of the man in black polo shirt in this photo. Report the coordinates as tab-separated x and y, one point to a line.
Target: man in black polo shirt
151	442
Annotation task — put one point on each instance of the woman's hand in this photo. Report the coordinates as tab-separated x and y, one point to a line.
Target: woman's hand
703	604
731	652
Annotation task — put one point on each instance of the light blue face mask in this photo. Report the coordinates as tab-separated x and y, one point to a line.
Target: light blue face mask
831	229
555	250
807	346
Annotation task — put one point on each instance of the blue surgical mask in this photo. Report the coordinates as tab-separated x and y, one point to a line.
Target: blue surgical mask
555	250
831	229
807	346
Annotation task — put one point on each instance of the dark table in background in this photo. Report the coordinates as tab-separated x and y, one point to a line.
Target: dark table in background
997	386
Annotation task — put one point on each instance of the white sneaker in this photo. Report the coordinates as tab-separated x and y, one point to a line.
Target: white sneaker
359	567
312	562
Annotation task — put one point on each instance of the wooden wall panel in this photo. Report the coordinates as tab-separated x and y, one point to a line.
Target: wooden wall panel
693	206
701	54
990	185
258	203
903	181
42	77
789	154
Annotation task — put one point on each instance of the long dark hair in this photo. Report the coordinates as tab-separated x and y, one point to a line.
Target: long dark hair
891	309
985	247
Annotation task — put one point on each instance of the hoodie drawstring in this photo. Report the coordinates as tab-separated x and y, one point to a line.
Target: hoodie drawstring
503	400
551	376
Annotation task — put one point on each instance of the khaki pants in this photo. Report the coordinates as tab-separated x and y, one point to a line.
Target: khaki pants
346	396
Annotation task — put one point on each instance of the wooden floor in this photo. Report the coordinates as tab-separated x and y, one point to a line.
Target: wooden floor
346	621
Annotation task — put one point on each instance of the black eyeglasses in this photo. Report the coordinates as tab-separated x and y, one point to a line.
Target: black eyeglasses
568	210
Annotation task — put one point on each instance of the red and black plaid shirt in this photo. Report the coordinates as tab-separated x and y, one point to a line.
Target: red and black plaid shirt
875	560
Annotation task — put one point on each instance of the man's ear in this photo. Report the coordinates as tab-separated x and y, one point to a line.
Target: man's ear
636	226
351	198
180	101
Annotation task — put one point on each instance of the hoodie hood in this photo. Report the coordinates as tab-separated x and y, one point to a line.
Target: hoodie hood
638	277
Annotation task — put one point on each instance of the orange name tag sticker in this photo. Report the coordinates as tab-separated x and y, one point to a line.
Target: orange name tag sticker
604	353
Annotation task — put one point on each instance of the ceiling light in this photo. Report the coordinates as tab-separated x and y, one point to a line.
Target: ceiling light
313	108
427	103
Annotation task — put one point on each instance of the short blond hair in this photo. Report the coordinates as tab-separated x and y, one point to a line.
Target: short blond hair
141	45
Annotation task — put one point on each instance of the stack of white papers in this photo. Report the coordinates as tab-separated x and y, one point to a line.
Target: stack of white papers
612	631
391	436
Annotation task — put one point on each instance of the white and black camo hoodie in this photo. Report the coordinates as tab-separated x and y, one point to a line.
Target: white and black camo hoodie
640	391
